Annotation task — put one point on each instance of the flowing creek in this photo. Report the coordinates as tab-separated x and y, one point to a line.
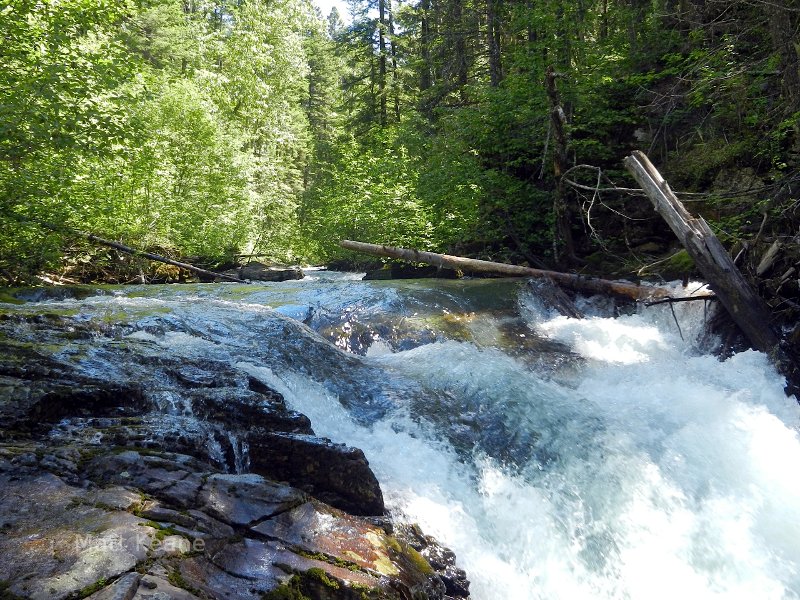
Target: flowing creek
559	458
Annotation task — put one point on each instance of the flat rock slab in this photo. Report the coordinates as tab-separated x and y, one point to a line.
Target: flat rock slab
237	536
246	499
58	540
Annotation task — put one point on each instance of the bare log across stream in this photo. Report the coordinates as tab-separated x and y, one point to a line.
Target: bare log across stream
578	283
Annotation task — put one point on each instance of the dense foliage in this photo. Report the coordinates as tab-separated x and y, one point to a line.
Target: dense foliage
208	128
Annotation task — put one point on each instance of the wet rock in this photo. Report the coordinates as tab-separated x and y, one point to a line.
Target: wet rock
241	536
40	404
113	484
335	473
246	499
123	589
154	511
67	543
276	539
176	479
113	498
192	376
238	409
154	587
441	559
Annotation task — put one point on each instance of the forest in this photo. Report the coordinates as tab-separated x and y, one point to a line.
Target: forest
210	129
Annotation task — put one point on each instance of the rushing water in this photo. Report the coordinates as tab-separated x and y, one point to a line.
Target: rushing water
559	458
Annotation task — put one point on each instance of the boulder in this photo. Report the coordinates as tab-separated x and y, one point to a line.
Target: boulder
335	473
234	536
196	481
257	271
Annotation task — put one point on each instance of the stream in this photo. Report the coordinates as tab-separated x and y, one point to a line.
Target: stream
608	457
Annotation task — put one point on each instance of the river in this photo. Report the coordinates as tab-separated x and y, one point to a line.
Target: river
608	457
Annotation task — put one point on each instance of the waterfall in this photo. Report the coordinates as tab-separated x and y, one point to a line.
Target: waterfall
655	470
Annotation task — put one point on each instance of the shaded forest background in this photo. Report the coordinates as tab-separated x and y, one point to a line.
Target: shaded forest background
207	129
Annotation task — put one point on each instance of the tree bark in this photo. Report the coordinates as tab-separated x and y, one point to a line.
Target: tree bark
395	78
578	283
782	24
382	59
459	48
425	76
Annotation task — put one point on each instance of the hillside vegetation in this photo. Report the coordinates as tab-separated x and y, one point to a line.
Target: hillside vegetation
206	129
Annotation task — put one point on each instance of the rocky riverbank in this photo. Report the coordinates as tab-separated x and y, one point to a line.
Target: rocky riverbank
194	482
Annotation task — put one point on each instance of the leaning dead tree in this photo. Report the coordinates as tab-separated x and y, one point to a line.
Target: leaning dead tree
744	305
158	258
63	229
578	283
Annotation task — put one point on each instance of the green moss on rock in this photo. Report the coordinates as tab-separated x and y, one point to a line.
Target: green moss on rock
291	590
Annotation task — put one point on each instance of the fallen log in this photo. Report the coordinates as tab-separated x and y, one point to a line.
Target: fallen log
63	229
743	304
158	258
708	253
578	283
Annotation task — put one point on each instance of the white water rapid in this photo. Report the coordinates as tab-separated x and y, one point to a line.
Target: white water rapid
558	458
669	474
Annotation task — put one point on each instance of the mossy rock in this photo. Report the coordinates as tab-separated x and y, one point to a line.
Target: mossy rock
7	297
677	266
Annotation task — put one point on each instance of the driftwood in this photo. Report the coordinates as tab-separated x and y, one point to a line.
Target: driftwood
578	283
744	305
716	265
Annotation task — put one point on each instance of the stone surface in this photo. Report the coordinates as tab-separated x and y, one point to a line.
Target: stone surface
57	541
335	473
116	486
243	536
246	499
124	588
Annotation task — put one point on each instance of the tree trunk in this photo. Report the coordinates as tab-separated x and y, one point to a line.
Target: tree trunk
382	58
563	243
395	80
604	20
578	283
425	79
782	25
493	43
460	55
